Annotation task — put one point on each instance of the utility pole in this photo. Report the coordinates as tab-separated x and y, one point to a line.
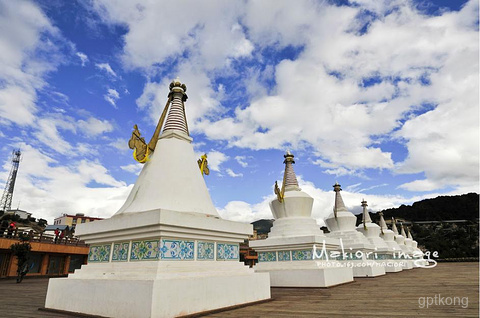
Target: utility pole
6	203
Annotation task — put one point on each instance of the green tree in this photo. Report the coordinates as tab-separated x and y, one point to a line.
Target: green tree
20	251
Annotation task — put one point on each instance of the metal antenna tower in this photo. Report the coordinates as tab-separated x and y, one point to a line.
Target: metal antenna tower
7	196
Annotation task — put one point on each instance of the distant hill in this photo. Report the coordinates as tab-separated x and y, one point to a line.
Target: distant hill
458	207
450	239
443	208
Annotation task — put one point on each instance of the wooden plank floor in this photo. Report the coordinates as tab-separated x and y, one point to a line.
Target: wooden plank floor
392	295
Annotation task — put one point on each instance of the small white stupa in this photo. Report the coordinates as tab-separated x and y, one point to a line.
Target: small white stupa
408	241
405	255
288	253
357	248
389	237
166	252
383	253
419	261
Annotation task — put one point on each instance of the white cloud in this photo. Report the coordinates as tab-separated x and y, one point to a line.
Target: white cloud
24	101
50	136
83	58
215	159
30	50
107	68
355	78
209	31
232	174
134	168
49	186
242	161
94	127
112	96
241	211
120	144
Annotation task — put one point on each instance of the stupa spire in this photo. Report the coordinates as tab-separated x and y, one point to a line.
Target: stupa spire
289	177
409	235
366	216
176	119
394	227
383	224
402	230
339	205
290	182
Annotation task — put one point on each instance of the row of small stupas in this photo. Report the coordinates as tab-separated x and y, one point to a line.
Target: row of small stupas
334	258
168	253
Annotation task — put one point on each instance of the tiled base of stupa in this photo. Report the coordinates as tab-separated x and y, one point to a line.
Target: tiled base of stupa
353	242
159	264
393	266
290	262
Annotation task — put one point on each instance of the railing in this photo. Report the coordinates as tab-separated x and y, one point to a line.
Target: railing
42	238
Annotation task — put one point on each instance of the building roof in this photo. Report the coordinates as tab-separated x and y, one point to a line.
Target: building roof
78	215
53	227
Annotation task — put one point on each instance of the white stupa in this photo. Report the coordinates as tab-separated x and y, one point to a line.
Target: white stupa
383	252
288	252
389	237
408	241
405	256
409	245
419	261
341	224
166	252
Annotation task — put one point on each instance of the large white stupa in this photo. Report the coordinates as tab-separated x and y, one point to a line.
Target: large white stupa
166	252
341	224
288	253
383	252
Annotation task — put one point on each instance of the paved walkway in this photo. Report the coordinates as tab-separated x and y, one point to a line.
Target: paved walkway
394	295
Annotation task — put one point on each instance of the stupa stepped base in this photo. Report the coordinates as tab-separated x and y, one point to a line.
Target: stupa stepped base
172	295
306	273
159	263
365	268
393	266
292	226
291	263
353	240
407	264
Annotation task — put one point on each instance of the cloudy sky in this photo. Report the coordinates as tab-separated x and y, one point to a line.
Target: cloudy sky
381	96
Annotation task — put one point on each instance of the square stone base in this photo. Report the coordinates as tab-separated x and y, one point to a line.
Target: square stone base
320	277
164	297
159	263
393	266
362	268
407	264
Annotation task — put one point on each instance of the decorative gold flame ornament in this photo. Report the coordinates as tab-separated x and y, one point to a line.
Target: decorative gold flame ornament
203	165
142	150
278	192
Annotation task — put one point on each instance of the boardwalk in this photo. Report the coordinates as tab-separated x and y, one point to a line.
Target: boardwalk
393	295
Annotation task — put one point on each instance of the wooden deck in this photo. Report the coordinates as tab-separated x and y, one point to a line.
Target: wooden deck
392	295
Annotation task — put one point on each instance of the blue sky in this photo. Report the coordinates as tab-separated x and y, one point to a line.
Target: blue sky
381	96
